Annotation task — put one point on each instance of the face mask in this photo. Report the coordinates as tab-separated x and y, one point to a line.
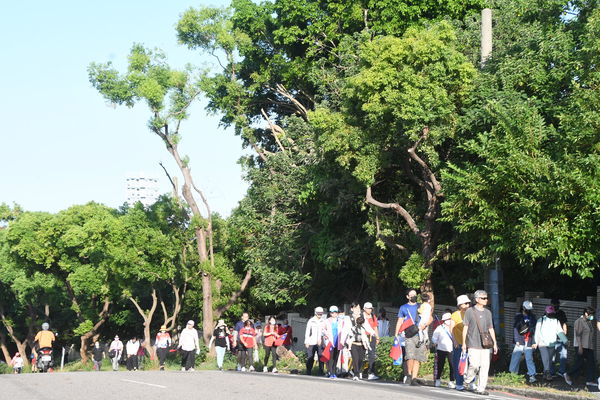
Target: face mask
272	323
447	322
412	299
591	318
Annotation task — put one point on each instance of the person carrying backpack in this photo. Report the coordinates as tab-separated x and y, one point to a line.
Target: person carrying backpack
524	339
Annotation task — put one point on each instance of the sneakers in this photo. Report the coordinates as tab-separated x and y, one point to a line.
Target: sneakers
183	368
162	368
372	377
274	370
243	369
568	380
191	369
265	369
414	382
437	383
407	380
460	388
355	378
251	368
472	387
451	385
591	384
532	379
332	376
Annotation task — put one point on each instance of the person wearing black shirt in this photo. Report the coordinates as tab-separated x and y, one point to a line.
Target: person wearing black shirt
561	349
220	338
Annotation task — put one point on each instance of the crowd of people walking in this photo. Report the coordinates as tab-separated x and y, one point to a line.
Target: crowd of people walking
345	344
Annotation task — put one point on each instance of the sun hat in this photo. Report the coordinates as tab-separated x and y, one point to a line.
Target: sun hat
333	309
368	305
528	305
221	323
462	299
446	316
163	327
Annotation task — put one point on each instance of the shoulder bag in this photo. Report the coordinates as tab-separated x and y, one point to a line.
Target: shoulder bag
486	338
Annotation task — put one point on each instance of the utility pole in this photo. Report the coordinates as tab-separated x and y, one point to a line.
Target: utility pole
486	35
494	278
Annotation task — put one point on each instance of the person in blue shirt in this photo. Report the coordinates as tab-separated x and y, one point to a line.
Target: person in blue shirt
414	354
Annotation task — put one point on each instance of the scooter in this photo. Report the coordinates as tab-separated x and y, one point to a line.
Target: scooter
44	362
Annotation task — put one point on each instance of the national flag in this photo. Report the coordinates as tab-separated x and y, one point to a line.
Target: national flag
463	363
396	351
326	353
407	323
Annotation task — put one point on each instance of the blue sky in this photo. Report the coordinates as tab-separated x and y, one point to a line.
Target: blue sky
61	144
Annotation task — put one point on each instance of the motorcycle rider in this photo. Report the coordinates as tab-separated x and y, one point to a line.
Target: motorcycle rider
44	339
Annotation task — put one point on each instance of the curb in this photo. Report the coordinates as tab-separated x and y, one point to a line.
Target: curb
537	394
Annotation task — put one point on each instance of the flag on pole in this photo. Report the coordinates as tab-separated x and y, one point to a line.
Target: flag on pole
326	353
396	351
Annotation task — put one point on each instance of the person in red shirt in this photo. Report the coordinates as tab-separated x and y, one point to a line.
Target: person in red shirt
247	341
285	335
271	334
371	319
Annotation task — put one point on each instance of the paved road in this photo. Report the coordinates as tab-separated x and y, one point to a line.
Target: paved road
212	385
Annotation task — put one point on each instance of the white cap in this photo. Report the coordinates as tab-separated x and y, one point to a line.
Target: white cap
368	305
462	299
190	322
527	305
319	310
446	316
333	309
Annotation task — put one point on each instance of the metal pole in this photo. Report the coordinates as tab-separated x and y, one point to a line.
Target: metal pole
486	35
62	359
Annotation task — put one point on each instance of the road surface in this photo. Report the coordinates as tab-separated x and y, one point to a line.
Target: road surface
166	385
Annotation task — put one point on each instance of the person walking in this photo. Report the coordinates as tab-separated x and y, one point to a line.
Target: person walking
371	319
131	348
359	344
383	324
221	341
271	334
17	363
479	339
332	336
97	355
189	344
524	338
162	344
547	332
115	350
444	345
236	335
313	340
561	348
583	343
462	303
414	353
247	346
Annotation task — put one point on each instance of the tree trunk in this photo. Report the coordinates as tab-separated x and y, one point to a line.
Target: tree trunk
5	352
21	345
85	338
147	317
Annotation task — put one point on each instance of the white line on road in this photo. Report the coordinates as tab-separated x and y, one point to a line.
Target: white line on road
144	383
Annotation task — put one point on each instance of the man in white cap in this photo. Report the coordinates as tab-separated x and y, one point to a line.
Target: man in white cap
371	319
523	334
190	346
462	303
312	340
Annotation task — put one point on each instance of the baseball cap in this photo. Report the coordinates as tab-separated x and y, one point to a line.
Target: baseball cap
190	322
319	310
333	309
528	305
368	305
550	310
462	299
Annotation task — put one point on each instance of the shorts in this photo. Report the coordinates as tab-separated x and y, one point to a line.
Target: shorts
416	353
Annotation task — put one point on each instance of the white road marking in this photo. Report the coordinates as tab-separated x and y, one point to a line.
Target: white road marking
144	383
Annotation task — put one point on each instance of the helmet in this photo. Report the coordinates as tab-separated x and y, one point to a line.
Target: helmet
45	326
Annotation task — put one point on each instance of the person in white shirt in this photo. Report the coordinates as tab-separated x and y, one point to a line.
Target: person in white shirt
132	347
17	363
190	346
313	340
114	351
444	341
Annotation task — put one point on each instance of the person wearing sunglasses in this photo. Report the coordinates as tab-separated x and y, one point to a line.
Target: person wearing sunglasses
479	340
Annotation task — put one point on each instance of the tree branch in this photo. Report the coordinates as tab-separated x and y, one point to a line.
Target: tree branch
398	209
235	295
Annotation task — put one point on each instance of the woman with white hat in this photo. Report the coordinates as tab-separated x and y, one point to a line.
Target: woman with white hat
462	303
220	339
162	343
332	340
444	342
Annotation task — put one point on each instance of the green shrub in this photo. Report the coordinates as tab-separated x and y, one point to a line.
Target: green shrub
385	367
